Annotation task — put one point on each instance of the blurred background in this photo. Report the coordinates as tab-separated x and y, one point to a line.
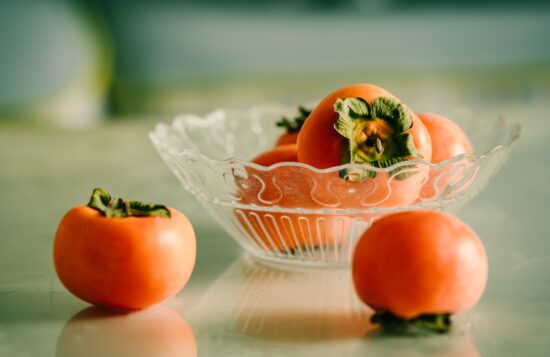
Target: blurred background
73	63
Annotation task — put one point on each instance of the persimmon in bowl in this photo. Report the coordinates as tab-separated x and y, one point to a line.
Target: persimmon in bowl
297	214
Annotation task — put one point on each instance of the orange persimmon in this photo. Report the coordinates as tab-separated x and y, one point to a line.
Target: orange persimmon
280	153
286	187
124	254
288	138
322	145
419	267
365	124
448	139
280	231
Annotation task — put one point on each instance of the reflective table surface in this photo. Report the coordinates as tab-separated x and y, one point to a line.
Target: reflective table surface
233	306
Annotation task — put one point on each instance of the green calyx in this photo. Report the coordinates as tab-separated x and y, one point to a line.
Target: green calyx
422	324
295	124
117	207
376	134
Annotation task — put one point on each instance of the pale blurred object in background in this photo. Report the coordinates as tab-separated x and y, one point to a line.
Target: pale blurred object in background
172	56
55	62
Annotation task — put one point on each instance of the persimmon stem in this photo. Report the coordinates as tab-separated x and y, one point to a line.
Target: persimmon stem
422	324
375	142
111	207
375	134
295	124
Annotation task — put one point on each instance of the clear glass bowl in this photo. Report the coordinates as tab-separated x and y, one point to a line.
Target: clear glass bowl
293	213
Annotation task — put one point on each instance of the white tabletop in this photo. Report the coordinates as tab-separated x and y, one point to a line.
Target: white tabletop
232	307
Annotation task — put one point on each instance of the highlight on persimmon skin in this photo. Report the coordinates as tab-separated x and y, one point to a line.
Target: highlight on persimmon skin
448	139
321	146
419	263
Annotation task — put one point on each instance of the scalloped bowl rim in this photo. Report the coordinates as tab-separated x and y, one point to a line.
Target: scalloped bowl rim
207	120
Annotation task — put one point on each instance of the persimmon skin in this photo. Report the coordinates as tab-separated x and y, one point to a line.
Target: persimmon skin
288	187
281	153
124	263
419	262
448	139
321	146
288	138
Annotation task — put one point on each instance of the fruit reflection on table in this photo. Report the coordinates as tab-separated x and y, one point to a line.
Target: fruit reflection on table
272	309
268	303
156	331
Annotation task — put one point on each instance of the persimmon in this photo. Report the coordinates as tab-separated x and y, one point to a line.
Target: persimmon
286	187
281	153
416	268
448	139
286	232
282	185
124	254
365	124
292	127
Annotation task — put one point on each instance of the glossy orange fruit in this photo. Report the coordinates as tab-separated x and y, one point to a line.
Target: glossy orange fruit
281	153
285	187
448	139
124	254
419	262
321	146
366	124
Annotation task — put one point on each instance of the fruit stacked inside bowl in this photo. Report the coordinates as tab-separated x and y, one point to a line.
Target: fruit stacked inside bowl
362	125
365	124
360	180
